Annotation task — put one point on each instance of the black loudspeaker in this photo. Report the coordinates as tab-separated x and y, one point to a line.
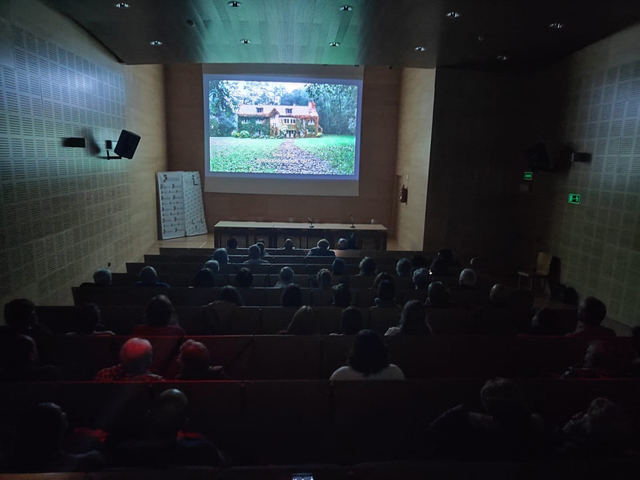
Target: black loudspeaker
127	144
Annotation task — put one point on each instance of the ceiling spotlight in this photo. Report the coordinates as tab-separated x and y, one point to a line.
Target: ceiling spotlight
556	26
419	49
334	44
346	8
234	4
453	15
245	41
122	5
502	58
155	43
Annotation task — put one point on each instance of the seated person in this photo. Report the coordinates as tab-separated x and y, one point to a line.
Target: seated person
302	323
468	278
368	360
323	294
420	279
380	277
323	279
263	252
343	244
288	245
20	362
505	430
591	313
385	295
232	243
161	319
229	294
403	268
212	265
499	295
321	250
102	277
21	318
204	279
291	296
38	445
148	277
87	320
341	295
338	267
194	363
221	256
285	277
439	267
600	361
255	256
136	356
413	320
351	321
219	313
437	295
367	267
602	430
244	278
544	322
161	440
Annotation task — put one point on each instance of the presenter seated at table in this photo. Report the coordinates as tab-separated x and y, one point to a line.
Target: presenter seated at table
322	250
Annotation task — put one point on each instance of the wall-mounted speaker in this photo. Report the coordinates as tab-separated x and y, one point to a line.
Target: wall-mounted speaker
127	144
580	157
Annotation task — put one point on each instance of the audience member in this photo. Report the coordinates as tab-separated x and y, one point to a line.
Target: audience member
351	321
194	363
591	313
381	277
285	278
343	243
468	278
21	318
102	277
544	322
161	439
230	294
204	279
321	250
212	265
323	279
263	252
603	429
403	268
505	430
600	361
437	295
368	360
148	277
20	361
255	256
385	295
420	278
288	245
499	295
136	356
87	320
244	278
161	319
439	267
232	243
291	296
341	295
337	267
367	267
221	256
302	322
413	320
38	444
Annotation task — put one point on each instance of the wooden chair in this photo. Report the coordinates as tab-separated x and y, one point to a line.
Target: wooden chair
543	266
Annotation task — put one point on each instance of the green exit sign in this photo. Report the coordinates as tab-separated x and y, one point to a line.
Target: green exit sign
574	198
528	176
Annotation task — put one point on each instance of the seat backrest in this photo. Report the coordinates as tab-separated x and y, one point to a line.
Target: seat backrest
381	319
543	263
451	320
234	353
277	357
79	357
276	319
327	319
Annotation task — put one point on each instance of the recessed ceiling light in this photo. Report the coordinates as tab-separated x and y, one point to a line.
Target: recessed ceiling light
419	49
234	3
334	44
245	41
122	5
502	58
556	26
453	15
155	43
346	8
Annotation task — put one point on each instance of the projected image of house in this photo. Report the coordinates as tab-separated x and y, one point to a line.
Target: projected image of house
290	120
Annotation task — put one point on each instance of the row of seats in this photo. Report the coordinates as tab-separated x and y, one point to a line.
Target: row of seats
231	269
306	421
272	357
381	254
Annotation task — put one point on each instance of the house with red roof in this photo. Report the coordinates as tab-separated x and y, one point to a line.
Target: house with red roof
291	120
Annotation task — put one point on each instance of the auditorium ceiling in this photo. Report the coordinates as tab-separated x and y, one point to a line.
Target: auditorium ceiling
463	33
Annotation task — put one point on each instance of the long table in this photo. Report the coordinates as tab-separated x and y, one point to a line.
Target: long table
305	234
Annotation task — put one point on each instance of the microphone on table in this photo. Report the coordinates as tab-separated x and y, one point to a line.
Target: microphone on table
310	222
352	224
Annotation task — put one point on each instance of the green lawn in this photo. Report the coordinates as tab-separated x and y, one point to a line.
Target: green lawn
338	150
230	154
